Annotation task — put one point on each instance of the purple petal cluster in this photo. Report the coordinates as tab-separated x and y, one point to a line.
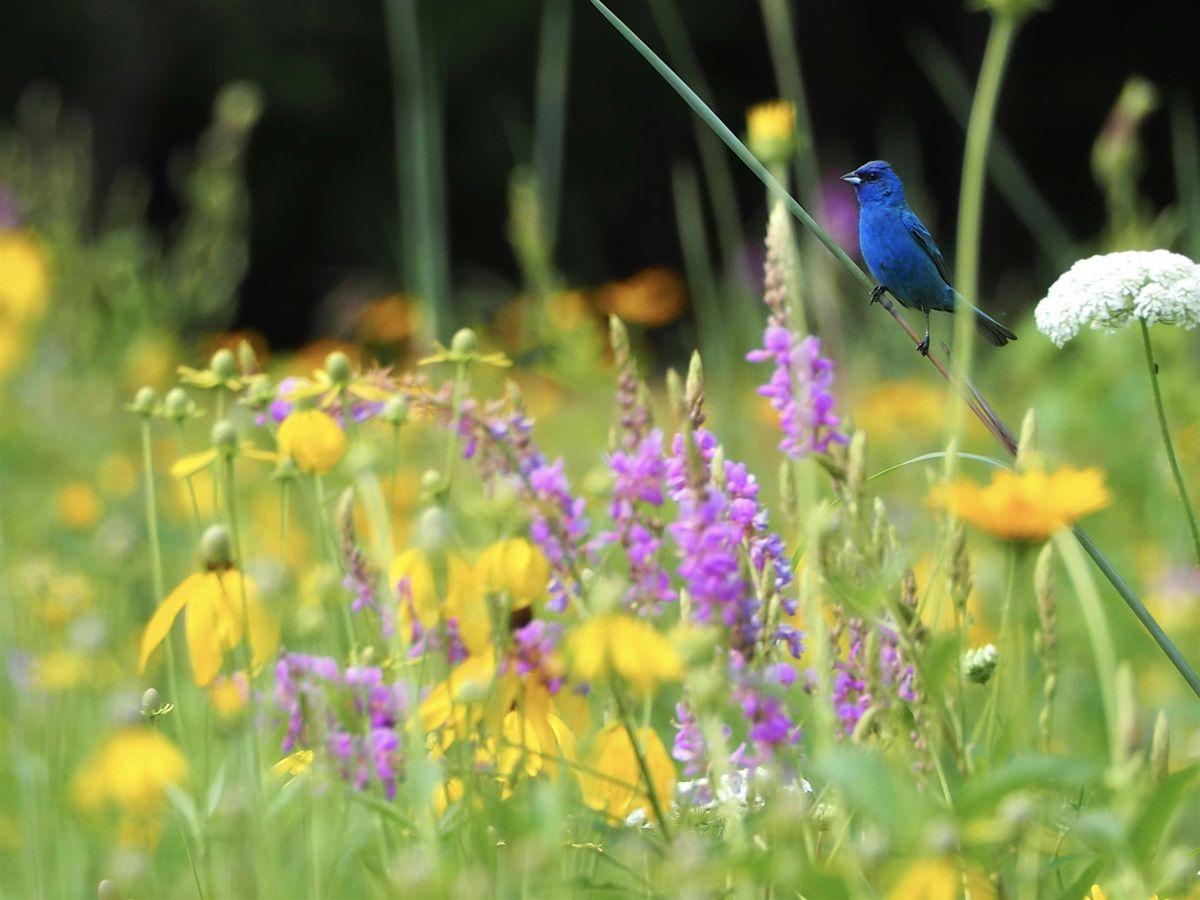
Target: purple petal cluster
800	390
638	478
353	714
534	645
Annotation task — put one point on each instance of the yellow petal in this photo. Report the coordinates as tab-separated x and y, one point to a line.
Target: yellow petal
202	627
164	617
189	465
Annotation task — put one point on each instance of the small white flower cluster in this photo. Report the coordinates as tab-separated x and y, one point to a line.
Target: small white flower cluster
1109	291
741	786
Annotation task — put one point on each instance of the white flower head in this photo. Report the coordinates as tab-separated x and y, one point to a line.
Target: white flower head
1110	290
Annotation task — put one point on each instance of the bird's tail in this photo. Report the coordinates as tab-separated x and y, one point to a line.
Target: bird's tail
991	330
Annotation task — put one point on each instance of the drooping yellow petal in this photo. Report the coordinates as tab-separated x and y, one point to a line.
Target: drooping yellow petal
164	617
189	465
203	623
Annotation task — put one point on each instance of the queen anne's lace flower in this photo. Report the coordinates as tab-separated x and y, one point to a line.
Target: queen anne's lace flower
1108	291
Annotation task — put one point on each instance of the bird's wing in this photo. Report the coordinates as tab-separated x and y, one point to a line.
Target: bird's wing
924	240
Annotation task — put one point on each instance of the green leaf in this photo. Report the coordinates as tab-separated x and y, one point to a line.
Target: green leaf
1160	811
1025	772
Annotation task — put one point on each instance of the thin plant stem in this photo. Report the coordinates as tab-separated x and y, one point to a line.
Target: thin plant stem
975	401
1167	443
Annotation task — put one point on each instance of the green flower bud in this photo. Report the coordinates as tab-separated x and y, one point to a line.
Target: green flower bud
225	438
395	411
151	701
260	395
145	401
979	664
239	105
216	547
106	890
433	530
464	343
431	483
693	391
337	365
177	405
224	364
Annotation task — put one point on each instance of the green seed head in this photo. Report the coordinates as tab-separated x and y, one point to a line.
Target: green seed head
224	364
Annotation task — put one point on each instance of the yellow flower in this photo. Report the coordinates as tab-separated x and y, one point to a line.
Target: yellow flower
939	878
24	279
632	649
463	600
652	297
516	567
444	794
131	770
1029	506
1096	893
215	621
771	130
293	764
62	598
388	320
78	506
612	781
59	670
533	738
313	439
229	695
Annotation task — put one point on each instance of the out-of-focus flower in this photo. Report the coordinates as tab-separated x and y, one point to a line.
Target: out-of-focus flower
78	506
24	279
215	621
295	763
229	695
532	740
424	603
630	648
516	567
60	670
225	444
1030	506
449	791
232	341
131	770
613	782
222	372
895	410
338	384
463	350
1109	291
771	131
979	663
388	320
117	475
940	878
652	297
313	439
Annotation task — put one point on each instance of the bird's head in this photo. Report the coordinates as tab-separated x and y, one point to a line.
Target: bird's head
875	182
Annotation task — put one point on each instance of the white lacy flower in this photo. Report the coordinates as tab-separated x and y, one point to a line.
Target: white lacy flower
1108	291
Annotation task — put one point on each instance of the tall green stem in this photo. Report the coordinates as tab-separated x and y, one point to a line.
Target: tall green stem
1167	443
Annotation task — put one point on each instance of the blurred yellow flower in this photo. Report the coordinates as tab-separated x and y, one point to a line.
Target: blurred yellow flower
1028	506
78	506
293	764
117	475
896	410
131	770
612	780
149	360
61	598
24	279
60	670
939	878
633	649
773	120
463	598
1096	893
449	791
652	297
388	320
313	439
516	567
215	621
533	739
229	695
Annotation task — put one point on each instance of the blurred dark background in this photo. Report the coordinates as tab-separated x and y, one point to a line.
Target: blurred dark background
322	174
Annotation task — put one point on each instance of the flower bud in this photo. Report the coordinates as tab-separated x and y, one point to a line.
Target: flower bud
247	358
106	890
151	701
216	547
464	343
693	392
177	405
260	395
979	664
433	530
225	438
1160	748
224	364
395	411
675	393
144	402
337	366
431	483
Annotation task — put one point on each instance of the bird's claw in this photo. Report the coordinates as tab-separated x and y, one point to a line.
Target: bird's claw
877	292
923	346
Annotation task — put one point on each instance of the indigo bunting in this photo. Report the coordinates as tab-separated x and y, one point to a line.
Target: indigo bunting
901	254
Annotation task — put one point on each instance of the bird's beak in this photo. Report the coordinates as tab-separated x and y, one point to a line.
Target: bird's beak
851	178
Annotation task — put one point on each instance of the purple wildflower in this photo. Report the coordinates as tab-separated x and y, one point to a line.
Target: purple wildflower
799	391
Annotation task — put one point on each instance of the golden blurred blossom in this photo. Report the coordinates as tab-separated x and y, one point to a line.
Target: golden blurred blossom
940	878
652	297
229	695
24	279
612	781
313	439
632	649
293	764
516	567
771	130
1027	506
215	621
79	507
461	597
232	341
388	320
131	771
60	670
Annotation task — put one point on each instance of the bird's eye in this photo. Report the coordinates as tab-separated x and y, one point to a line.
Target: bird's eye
870	176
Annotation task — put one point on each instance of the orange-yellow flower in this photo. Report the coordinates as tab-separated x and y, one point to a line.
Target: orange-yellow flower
612	780
24	278
215	621
634	650
939	878
652	297
771	130
313	439
1027	506
78	506
131	770
516	567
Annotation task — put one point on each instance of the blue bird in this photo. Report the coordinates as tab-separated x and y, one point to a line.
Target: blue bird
901	254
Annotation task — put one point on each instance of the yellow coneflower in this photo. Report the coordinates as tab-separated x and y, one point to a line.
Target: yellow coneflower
771	130
612	781
461	598
939	878
313	439
516	567
1027	506
634	650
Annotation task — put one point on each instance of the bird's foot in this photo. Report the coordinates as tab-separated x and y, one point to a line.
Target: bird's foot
923	346
877	292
